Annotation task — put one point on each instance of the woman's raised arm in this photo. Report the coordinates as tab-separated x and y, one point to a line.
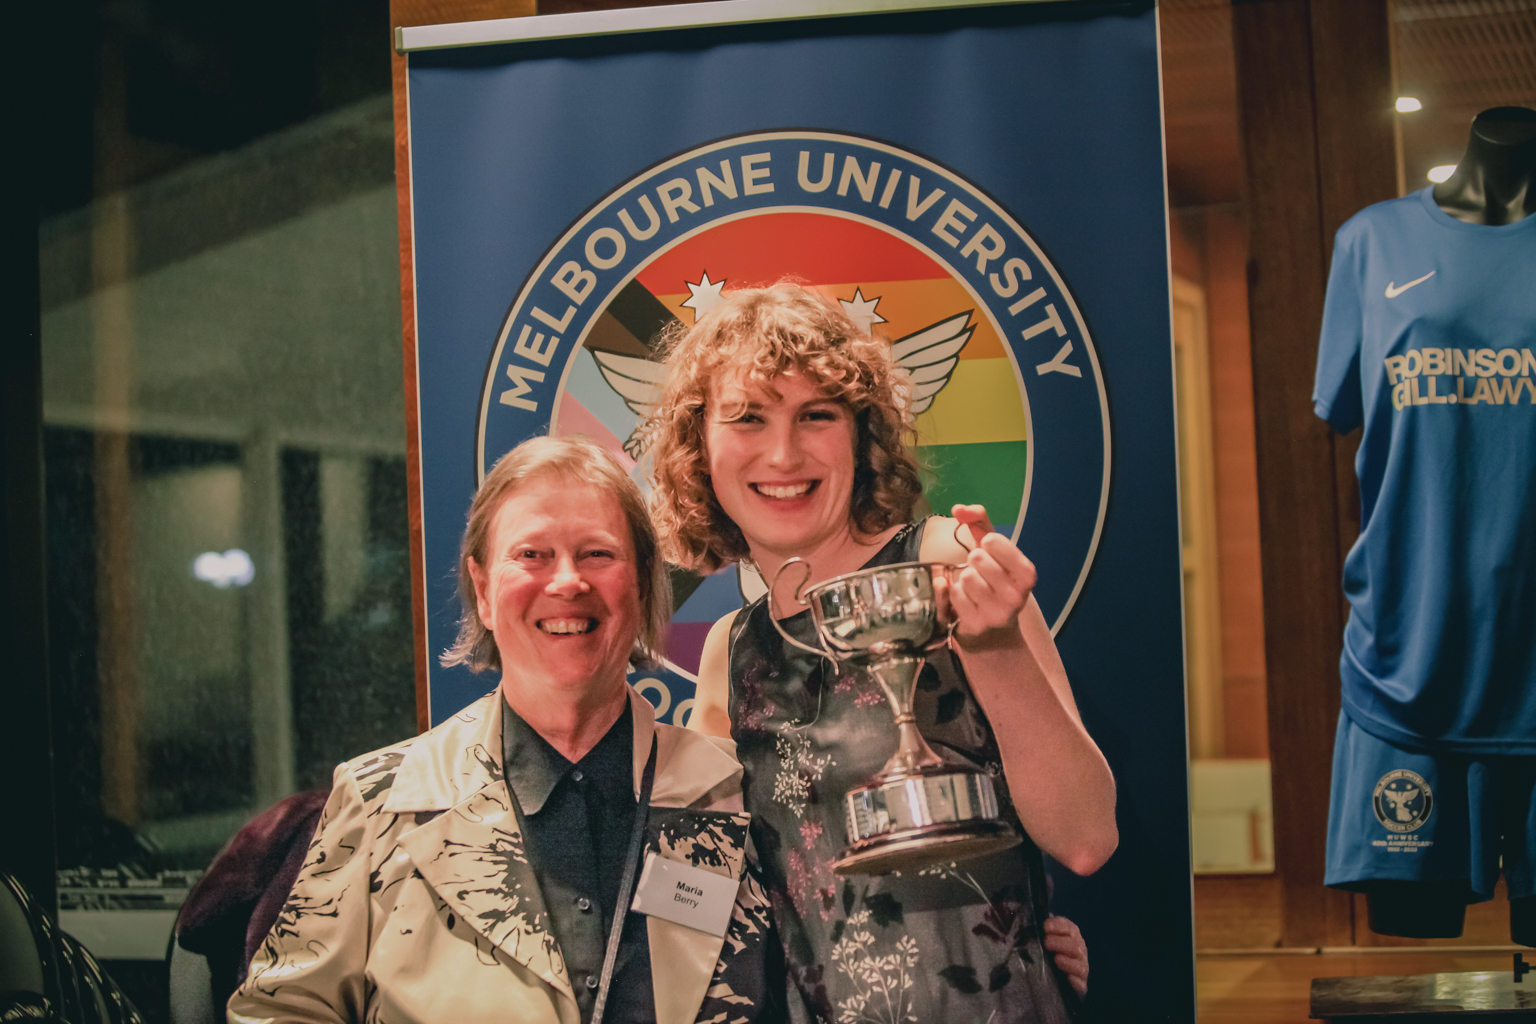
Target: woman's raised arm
1060	783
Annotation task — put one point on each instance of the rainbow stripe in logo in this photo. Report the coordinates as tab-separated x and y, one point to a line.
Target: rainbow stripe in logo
994	344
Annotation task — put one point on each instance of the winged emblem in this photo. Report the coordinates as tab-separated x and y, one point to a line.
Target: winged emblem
639	382
926	357
929	357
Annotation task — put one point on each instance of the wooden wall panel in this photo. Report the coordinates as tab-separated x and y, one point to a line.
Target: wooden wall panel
1237	485
1314	88
1297	514
412	410
438	12
1352	72
1357	159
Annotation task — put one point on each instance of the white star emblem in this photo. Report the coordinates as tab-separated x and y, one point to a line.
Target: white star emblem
862	311
704	296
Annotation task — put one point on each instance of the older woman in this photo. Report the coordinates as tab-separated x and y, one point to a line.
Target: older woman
781	434
483	870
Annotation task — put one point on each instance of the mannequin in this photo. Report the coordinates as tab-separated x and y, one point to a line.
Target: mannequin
1424	712
1493	183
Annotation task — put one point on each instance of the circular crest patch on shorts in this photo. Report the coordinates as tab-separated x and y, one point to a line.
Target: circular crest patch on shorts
1402	800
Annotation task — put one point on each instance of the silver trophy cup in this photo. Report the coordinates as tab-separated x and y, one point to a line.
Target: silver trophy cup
918	810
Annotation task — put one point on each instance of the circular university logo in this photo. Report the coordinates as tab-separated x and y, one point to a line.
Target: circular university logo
1402	801
1009	400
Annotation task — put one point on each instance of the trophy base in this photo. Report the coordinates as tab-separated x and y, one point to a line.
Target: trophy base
923	847
928	816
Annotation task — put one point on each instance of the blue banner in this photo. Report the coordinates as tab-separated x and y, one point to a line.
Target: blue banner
982	186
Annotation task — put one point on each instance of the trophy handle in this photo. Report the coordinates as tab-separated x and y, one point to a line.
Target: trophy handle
773	587
942	640
949	627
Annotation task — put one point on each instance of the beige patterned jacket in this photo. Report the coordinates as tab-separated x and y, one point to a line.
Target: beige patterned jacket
416	902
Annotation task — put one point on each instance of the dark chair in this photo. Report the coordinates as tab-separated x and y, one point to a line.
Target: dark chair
46	975
228	913
25	963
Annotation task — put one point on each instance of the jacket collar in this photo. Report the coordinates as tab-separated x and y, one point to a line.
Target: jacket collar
462	756
471	852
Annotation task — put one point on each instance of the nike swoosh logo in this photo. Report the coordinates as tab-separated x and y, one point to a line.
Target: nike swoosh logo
1393	291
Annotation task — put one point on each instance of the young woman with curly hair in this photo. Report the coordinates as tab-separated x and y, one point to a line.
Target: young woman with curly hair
782	432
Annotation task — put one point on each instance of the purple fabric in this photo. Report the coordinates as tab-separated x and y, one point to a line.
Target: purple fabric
232	907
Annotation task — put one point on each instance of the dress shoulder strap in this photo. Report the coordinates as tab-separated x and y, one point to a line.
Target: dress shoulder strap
903	547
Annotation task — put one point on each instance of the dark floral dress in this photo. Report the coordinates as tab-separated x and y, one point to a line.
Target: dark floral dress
956	942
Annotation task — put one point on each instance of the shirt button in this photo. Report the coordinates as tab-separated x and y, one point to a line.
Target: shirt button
577	776
592	981
583	904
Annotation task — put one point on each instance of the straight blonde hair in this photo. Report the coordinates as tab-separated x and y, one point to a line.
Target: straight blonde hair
577	460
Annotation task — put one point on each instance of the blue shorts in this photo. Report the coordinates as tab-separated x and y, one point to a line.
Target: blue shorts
1409	816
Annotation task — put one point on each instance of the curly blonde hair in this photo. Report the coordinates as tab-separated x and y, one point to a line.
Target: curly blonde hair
750	338
577	460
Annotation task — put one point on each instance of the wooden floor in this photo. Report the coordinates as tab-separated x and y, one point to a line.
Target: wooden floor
1240	981
1275	988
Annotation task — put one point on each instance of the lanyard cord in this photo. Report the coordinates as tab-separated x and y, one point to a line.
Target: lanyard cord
627	886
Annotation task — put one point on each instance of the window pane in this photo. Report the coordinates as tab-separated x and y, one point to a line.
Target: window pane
229	595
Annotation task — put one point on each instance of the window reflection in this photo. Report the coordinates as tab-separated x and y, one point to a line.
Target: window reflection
228	573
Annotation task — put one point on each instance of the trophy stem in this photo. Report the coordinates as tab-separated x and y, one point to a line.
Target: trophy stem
897	676
920	810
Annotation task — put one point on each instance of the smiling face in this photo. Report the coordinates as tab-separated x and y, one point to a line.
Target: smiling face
559	588
781	462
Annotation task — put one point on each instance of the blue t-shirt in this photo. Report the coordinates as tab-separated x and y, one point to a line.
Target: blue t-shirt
1429	343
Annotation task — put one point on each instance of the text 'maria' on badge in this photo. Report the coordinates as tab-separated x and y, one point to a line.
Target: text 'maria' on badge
685	895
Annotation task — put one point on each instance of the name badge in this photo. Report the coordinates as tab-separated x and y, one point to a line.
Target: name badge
685	895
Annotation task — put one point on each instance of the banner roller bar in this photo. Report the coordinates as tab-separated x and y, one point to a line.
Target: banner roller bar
409	39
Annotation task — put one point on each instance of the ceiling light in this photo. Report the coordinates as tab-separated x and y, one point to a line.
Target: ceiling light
1407	105
1441	173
